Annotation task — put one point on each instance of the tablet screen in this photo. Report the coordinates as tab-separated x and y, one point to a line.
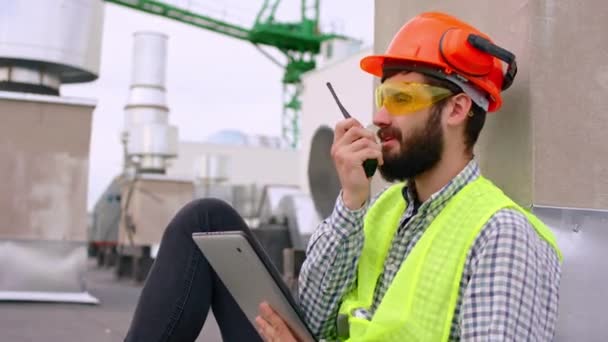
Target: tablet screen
232	254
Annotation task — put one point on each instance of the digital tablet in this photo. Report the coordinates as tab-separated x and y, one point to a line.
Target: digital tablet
249	275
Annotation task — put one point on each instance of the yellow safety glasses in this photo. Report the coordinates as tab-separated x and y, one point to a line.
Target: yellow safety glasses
401	98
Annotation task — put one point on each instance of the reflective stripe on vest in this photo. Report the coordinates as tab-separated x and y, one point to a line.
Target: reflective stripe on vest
420	302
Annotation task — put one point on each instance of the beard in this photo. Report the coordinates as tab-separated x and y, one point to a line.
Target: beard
418	153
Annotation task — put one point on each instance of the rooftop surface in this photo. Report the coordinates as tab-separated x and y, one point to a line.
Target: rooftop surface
107	321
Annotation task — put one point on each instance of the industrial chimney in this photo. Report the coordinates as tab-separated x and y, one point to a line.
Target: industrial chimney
149	139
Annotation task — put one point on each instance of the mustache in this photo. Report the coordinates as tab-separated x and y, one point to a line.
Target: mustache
390	131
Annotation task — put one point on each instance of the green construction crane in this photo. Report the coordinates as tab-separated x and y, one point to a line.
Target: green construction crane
299	41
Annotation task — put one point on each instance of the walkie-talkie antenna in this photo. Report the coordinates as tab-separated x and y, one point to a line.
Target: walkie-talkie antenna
342	109
369	165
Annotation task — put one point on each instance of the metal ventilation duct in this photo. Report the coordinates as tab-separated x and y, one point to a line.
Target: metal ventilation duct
46	43
322	176
150	139
301	217
212	168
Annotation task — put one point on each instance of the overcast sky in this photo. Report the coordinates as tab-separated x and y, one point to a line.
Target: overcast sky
214	82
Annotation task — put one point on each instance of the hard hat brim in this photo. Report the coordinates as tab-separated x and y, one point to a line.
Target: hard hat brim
374	64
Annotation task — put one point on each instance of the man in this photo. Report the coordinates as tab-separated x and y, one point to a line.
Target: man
444	255
440	255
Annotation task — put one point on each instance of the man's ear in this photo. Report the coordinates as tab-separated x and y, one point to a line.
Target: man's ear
460	109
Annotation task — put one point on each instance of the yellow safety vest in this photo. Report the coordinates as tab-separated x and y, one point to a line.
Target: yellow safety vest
420	302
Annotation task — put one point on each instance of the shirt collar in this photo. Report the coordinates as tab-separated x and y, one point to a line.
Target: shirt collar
439	199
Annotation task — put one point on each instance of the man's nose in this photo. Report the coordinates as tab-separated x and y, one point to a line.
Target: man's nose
382	118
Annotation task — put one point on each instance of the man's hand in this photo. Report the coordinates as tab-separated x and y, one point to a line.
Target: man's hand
271	326
352	145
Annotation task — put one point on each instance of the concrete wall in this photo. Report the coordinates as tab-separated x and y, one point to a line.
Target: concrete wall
569	83
44	151
546	145
354	88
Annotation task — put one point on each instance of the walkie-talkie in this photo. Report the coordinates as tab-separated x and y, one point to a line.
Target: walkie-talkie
370	165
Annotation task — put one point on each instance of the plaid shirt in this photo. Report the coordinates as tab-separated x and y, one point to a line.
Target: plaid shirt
509	286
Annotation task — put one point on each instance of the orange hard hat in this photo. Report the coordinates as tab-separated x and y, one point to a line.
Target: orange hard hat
443	46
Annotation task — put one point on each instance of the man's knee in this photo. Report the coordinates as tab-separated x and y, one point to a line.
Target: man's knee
209	206
204	214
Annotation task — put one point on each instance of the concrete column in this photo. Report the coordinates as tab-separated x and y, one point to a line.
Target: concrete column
44	146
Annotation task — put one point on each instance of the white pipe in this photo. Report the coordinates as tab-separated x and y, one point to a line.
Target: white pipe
150	59
151	140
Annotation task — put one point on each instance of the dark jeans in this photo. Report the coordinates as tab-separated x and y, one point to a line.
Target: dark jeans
181	286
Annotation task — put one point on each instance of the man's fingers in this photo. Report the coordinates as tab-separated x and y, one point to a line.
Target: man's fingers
271	317
349	154
265	329
354	134
369	153
343	126
361	144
